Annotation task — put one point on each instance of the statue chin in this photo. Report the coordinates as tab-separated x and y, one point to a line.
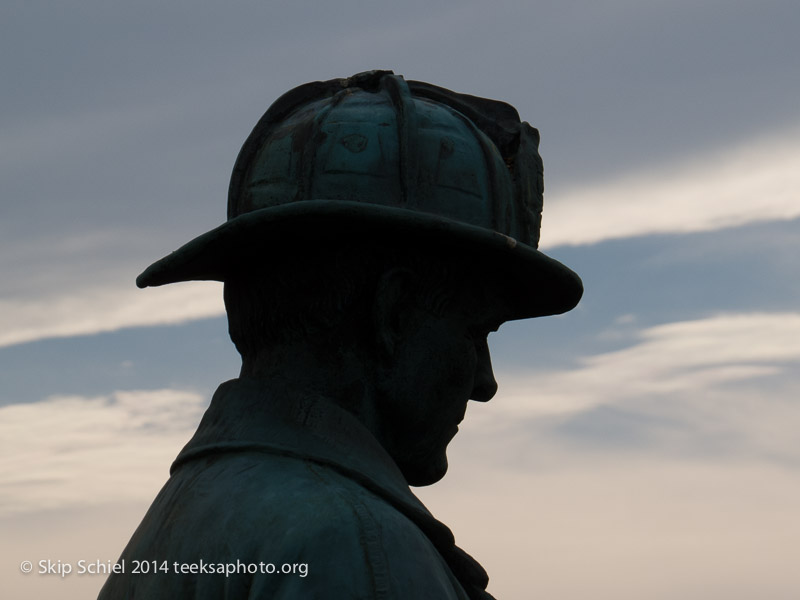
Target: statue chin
425	473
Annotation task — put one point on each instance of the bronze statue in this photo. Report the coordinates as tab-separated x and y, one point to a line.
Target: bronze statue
378	229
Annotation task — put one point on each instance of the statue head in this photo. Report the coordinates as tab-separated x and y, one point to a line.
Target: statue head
395	217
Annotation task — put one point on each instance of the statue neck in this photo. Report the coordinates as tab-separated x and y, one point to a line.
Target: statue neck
335	371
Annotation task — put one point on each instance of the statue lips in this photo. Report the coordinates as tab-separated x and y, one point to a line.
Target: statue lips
457	423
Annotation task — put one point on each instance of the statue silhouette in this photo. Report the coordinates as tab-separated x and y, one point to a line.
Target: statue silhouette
378	229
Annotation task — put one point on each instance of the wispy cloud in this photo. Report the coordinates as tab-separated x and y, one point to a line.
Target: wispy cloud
724	386
635	526
72	285
756	181
683	358
72	451
99	309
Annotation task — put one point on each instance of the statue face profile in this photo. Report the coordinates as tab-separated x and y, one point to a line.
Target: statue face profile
440	362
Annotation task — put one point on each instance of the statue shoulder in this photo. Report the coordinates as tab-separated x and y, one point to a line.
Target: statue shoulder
291	528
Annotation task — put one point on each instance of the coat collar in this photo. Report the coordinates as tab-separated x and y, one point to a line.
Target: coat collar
244	416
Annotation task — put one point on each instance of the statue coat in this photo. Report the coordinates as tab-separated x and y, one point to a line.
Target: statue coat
290	482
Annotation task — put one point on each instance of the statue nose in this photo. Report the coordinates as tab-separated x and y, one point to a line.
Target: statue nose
484	385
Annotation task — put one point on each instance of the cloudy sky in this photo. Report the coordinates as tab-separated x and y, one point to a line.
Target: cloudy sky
644	445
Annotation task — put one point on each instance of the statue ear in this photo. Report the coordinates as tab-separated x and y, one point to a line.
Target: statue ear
394	309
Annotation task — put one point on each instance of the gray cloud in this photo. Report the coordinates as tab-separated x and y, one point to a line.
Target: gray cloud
73	451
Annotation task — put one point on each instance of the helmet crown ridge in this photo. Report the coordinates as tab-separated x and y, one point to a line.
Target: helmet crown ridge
375	138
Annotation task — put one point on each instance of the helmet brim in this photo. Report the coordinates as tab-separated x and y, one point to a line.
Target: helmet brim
532	283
